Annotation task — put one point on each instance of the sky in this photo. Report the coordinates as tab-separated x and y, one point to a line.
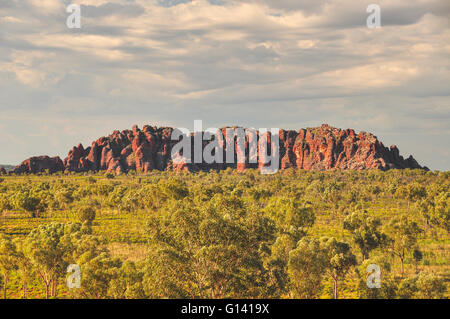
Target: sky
255	63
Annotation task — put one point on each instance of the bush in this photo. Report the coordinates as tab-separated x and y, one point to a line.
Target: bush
86	214
425	285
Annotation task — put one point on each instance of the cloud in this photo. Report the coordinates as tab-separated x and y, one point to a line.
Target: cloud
280	63
112	9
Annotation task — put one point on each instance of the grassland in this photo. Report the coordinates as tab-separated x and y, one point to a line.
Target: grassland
124	205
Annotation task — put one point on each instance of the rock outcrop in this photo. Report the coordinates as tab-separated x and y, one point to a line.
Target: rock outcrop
320	148
40	164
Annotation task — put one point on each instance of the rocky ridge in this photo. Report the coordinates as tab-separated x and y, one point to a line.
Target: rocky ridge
319	148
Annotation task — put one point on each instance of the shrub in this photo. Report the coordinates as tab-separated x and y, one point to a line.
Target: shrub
86	214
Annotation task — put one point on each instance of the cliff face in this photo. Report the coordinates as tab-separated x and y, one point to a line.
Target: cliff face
327	147
320	148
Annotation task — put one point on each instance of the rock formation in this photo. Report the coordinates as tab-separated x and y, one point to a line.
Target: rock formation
40	164
320	148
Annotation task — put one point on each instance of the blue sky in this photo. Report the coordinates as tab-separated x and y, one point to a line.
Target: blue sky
260	63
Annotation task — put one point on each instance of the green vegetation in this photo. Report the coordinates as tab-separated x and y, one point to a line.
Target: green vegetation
294	234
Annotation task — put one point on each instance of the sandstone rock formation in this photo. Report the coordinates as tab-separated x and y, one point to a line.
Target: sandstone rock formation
40	164
319	148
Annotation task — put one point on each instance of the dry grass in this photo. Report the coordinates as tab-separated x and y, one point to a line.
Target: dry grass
130	252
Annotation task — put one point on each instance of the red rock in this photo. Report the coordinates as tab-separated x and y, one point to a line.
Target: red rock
72	162
39	165
319	148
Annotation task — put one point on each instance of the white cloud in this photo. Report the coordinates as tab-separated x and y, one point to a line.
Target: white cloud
253	62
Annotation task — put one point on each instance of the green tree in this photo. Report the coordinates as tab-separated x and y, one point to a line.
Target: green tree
4	203
417	256
8	260
128	283
44	247
422	286
212	251
52	247
338	261
25	269
416	191
277	265
430	286
64	197
441	211
306	267
86	214
174	189
115	198
365	232
97	274
403	235
388	289
292	217
25	201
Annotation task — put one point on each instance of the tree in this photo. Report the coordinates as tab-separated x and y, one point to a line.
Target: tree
115	198
86	214
210	251
25	268
425	285
64	197
43	245
24	200
52	247
441	211
416	191
339	259
97	274
411	192
174	189
128	283
430	286
306	267
407	288
365	232
403	235
8	260
435	210
388	289
417	256
292	217
277	265
4	203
